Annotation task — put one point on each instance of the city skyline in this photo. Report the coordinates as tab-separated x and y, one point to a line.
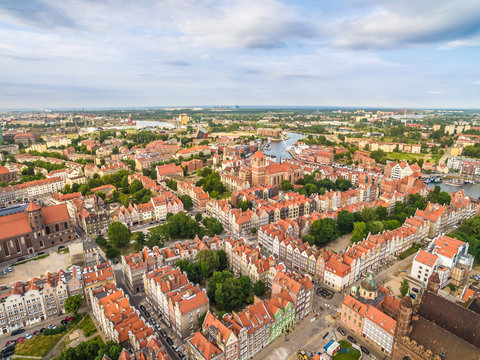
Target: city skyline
78	54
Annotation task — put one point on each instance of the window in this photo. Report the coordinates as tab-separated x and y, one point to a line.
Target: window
57	228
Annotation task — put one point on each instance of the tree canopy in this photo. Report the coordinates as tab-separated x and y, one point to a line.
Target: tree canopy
118	235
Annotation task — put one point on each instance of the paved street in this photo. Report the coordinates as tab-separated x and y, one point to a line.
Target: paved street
139	299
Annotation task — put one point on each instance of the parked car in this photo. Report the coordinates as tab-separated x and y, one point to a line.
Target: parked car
351	339
52	327
413	296
28	336
325	335
157	326
169	341
9	269
147	314
69	318
36	333
365	350
415	290
163	333
42	330
4	272
9	342
20	259
64	322
115	261
182	356
61	247
41	253
20	339
340	330
18	331
176	349
153	321
143	308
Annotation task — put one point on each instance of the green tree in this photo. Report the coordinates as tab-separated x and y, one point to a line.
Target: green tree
198	217
404	287
324	231
135	186
259	288
222	260
118	235
245	205
286	185
112	253
309	238
201	319
345	222
73	304
187	202
213	226
359	231
375	227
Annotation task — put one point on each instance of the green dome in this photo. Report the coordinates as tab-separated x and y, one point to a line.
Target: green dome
369	283
354	288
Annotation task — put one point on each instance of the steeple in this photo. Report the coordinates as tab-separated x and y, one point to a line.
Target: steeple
34	213
434	282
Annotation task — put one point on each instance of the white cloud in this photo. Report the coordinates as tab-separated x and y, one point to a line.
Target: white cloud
435	92
400	23
476	82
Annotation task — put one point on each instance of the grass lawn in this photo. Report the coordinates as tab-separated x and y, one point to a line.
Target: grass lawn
406	156
87	326
38	345
63	251
409	252
353	354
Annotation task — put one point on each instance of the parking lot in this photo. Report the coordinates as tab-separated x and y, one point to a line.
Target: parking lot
8	341
35	268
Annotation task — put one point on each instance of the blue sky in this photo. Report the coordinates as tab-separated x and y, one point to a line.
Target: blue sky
94	53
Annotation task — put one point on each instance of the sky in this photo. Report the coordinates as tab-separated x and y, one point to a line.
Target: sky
123	53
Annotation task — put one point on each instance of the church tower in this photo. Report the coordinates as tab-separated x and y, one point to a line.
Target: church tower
34	213
404	316
258	168
434	282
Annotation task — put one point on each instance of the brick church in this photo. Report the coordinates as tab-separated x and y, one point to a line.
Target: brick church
272	173
434	328
34	229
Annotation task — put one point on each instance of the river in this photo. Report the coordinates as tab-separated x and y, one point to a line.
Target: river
279	149
472	190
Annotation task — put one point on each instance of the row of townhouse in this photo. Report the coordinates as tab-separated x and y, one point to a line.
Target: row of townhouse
199	197
179	302
234	183
443	218
135	265
118	319
357	260
31	302
333	200
235	220
158	207
240	336
30	190
285	206
253	194
243	260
